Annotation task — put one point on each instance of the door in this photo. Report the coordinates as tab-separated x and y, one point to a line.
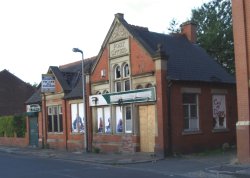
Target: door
147	128
33	131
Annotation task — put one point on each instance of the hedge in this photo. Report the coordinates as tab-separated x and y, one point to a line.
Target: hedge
12	125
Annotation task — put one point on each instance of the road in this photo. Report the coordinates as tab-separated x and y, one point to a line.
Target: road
28	166
21	166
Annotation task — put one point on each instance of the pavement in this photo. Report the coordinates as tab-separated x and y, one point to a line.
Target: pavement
223	164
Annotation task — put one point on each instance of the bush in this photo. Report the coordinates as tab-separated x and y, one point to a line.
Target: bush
11	125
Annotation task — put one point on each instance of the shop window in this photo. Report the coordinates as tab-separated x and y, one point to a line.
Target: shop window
119	119
124	116
128	119
77	118
103	120
55	121
219	111
190	112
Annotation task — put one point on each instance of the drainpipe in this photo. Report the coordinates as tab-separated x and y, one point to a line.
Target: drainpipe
169	126
44	130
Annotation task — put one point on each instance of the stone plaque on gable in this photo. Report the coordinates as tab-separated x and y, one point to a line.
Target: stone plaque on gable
119	48
119	33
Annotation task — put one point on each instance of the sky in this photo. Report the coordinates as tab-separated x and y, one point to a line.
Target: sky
36	34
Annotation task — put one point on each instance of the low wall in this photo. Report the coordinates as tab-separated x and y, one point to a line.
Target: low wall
14	141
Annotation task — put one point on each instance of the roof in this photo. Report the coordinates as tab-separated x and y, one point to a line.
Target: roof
186	61
70	78
13	93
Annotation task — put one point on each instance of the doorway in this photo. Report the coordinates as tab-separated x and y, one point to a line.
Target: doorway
33	131
147	128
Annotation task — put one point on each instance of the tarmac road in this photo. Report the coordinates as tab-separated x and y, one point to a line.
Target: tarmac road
36	162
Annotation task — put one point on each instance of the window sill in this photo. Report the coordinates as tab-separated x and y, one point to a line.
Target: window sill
219	130
76	133
55	133
192	132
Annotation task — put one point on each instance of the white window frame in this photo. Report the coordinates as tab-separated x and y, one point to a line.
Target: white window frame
191	119
55	110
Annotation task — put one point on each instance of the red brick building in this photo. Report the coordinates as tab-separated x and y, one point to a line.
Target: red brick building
241	28
147	92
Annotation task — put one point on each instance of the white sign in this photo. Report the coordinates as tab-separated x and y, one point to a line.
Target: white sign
33	108
119	48
48	83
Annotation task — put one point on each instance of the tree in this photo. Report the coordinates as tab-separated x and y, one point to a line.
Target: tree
174	26
214	31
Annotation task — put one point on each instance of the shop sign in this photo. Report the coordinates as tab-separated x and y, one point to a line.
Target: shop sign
119	48
132	96
33	108
48	83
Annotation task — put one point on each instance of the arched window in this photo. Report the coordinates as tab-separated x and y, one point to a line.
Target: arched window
149	85
126	72
117	72
98	93
139	87
105	91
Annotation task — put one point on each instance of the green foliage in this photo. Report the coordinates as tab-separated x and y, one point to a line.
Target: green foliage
19	123
214	31
174	26
11	125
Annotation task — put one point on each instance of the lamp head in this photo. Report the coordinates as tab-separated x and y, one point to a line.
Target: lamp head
76	50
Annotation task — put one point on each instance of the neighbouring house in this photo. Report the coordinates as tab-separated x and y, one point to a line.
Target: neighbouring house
13	93
146	92
56	127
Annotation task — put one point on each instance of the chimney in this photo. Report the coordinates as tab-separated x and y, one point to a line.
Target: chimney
119	15
189	30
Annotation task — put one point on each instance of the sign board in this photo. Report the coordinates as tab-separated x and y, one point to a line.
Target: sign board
119	48
132	96
33	108
48	83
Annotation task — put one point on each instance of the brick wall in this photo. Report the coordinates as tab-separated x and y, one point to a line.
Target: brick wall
14	141
241	29
207	137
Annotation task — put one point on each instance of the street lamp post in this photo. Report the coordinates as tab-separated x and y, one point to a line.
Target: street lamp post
76	50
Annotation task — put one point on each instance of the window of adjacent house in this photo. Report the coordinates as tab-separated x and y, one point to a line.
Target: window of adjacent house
103	120
219	111
77	118
55	122
190	109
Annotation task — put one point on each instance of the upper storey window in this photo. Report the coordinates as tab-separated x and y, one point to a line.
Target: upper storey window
121	78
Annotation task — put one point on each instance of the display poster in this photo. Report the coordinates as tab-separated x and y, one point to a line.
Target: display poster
99	120
107	120
119	121
219	111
